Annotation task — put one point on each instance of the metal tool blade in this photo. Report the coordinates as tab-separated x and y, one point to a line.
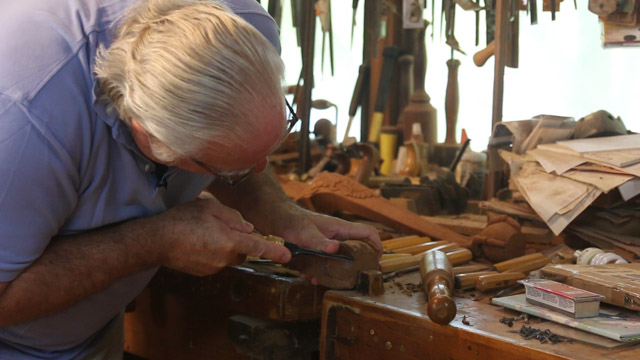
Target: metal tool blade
298	250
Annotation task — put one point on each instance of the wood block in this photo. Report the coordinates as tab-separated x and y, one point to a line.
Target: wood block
336	273
370	283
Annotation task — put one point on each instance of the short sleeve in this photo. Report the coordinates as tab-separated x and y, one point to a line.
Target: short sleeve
38	183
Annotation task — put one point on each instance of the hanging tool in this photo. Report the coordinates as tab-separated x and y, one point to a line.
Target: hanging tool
533	10
450	17
481	57
304	103
420	109
356	99
478	26
323	11
390	54
354	5
490	20
296	17
275	10
433	15
452	100
553	6
437	282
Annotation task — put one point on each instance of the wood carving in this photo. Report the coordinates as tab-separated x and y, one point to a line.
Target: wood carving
501	240
336	273
329	192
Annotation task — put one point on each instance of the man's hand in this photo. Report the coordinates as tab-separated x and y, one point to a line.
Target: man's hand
203	236
320	232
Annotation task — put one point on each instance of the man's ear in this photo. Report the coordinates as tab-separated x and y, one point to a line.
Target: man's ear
140	135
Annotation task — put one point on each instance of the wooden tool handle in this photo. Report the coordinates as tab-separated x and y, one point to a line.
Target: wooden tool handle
451	101
397	243
481	57
420	248
363	78
469	279
459	256
420	59
515	262
529	266
498	281
391	265
405	65
465	269
437	282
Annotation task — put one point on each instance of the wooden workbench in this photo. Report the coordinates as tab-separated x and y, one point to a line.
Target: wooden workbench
396	326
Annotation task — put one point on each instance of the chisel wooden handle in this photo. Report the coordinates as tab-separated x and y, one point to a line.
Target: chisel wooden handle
390	54
481	57
459	256
469	279
437	282
404	241
420	248
515	262
390	265
405	65
529	266
486	283
451	101
356	99
465	269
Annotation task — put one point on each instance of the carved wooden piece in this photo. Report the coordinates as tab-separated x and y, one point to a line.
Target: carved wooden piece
501	240
437	282
330	192
336	273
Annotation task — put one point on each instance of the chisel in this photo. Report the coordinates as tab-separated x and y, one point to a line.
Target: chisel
390	54
358	91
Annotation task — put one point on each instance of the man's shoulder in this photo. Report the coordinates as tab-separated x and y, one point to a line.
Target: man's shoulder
38	37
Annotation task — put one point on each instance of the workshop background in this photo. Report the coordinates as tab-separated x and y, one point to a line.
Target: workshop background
564	69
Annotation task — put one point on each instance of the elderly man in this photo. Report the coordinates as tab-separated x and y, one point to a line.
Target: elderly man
114	116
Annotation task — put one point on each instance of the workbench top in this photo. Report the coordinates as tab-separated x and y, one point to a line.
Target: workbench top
395	326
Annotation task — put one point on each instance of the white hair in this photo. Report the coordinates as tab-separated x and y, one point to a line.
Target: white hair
190	72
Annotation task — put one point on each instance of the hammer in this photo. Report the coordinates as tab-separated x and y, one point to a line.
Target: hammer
437	282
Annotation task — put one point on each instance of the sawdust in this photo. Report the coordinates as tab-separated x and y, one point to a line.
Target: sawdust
407	288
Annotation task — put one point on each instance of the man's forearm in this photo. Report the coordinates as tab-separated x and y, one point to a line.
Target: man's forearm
74	267
259	199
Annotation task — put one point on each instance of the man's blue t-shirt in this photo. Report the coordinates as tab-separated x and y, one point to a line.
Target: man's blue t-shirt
66	166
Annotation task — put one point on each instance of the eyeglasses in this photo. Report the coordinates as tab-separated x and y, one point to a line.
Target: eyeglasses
292	119
233	178
230	178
